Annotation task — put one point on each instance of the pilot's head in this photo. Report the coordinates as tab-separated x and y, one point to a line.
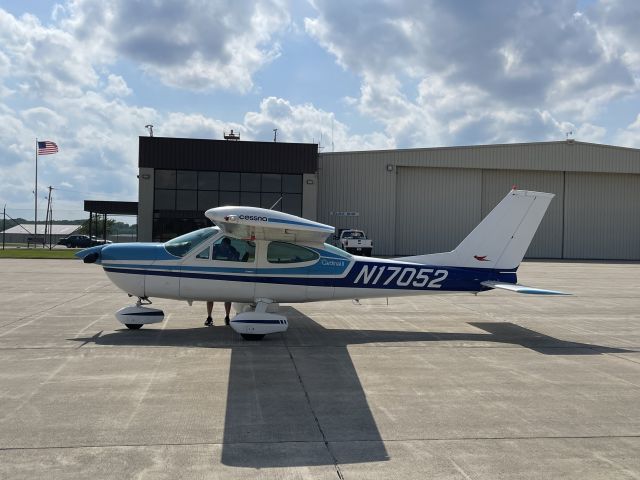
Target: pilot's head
226	241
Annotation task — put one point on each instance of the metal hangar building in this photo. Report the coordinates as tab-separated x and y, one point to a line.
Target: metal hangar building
409	201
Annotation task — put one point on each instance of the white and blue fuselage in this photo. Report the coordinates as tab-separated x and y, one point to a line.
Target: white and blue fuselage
150	270
261	258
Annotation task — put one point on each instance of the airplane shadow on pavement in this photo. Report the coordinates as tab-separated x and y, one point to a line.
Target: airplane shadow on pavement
292	395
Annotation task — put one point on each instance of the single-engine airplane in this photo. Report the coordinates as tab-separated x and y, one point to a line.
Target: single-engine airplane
258	258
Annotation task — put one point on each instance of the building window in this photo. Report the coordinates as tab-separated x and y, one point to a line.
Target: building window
229	198
230	181
187	180
187	200
207	180
207	199
165	199
250	199
250	182
292	203
292	183
182	196
165	178
272	182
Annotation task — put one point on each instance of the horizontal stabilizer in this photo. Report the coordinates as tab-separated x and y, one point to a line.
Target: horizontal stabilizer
516	287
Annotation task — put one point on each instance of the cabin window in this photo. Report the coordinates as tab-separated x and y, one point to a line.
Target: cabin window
183	244
229	249
204	254
280	252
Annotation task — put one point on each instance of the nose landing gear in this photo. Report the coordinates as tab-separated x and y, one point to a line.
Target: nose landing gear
135	316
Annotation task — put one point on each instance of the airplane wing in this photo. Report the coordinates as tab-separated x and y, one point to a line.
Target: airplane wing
262	224
516	287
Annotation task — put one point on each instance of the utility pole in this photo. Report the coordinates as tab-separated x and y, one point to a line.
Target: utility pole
4	223
275	134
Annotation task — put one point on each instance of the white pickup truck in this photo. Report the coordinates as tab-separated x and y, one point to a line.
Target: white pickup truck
355	241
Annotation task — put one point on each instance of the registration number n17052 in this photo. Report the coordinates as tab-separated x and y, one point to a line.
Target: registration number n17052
383	275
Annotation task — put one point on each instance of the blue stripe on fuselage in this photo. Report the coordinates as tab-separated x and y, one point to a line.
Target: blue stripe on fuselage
364	274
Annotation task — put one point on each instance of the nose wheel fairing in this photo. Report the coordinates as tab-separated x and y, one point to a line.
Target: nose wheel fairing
134	316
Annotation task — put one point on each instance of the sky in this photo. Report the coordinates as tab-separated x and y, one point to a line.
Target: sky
355	75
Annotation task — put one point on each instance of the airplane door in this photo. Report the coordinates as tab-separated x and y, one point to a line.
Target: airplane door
222	271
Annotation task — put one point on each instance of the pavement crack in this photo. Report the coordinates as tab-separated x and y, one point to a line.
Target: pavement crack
315	416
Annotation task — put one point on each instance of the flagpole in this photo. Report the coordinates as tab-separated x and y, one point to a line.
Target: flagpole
35	209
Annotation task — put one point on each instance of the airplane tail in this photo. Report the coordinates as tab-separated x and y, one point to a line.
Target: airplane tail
501	239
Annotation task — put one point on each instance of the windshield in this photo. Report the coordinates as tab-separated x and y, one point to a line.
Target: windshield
183	244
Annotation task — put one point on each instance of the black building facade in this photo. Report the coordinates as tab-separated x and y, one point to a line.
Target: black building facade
181	178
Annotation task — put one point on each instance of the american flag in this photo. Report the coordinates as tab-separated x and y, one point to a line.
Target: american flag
47	148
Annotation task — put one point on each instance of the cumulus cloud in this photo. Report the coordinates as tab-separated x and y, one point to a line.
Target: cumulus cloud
630	136
484	71
190	44
306	123
117	86
42	61
617	22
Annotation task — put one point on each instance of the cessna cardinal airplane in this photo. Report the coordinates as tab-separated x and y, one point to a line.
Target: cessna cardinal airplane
258	258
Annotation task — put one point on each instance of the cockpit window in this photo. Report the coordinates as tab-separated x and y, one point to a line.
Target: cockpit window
280	252
183	244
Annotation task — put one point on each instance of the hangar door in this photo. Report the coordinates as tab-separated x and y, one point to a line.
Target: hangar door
547	242
436	208
602	216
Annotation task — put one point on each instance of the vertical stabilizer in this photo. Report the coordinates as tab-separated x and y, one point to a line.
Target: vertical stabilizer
503	236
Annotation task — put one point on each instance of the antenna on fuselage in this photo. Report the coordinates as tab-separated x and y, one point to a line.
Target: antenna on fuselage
277	202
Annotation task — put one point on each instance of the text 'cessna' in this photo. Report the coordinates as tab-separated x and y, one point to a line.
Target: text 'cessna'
259	258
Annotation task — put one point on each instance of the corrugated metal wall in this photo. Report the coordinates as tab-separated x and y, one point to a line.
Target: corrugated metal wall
423	200
355	184
427	199
602	216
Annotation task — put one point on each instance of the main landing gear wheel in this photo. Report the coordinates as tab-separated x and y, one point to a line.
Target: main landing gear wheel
252	336
133	326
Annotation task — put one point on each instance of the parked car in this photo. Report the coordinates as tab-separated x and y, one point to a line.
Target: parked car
81	241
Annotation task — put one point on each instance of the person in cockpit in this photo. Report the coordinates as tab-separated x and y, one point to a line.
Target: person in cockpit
225	251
